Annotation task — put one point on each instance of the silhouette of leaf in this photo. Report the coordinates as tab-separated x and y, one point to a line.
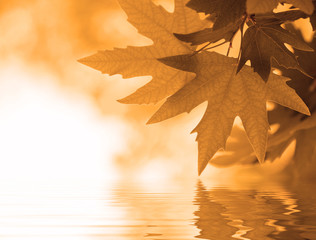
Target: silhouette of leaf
313	21
294	126
313	17
263	42
210	35
227	32
228	95
279	18
304	5
226	12
259	6
159	25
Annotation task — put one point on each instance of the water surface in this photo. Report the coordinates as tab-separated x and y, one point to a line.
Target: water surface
176	210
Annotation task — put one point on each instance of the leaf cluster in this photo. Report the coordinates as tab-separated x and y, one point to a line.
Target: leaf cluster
187	72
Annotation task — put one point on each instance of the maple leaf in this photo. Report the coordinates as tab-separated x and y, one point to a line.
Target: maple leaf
259	6
263	42
210	35
291	125
227	32
226	12
279	18
294	126
159	25
230	11
228	95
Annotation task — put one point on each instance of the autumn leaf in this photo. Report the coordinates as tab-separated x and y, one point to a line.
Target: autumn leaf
227	33
210	35
230	11
294	126
304	5
189	78
228	95
159	25
237	151
263	42
226	12
259	6
291	125
279	18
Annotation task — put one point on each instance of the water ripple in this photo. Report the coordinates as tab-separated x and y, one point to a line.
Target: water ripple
174	212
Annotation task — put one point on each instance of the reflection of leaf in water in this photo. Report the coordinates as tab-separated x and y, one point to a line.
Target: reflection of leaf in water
254	214
248	209
302	224
210	219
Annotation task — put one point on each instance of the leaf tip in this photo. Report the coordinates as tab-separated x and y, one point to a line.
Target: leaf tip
201	168
239	66
152	120
202	163
122	100
261	157
309	48
260	161
307	111
184	37
81	60
178	35
88	61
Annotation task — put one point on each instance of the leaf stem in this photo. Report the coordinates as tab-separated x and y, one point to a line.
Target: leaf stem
241	40
204	47
229	47
215	46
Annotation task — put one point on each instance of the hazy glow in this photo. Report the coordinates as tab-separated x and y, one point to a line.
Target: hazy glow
47	133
